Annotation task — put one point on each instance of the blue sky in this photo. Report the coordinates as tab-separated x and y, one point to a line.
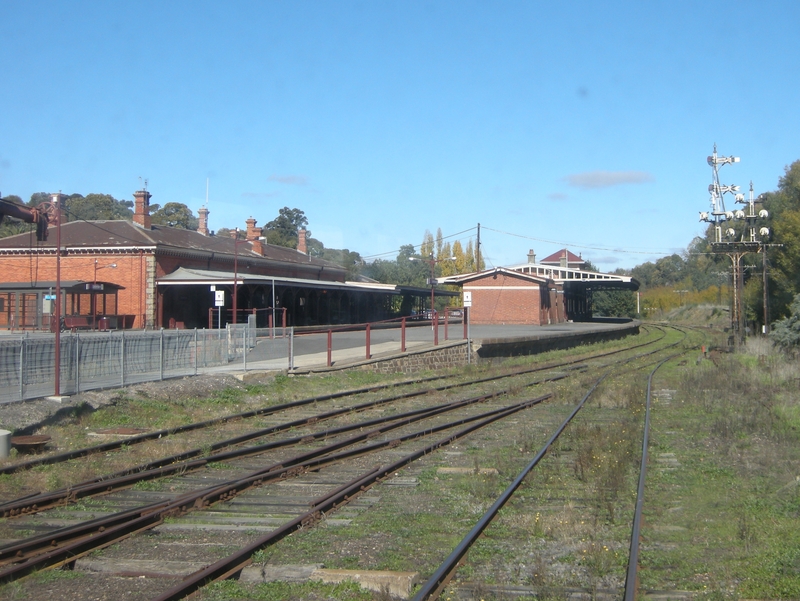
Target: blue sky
584	124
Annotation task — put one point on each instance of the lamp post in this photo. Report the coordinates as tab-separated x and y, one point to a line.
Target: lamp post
109	266
54	209
432	281
94	288
236	243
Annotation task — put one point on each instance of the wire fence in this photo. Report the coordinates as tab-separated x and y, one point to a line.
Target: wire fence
105	360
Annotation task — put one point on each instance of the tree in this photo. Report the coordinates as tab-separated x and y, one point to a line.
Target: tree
94	207
784	208
10	226
350	260
786	333
282	231
613	303
175	214
427	247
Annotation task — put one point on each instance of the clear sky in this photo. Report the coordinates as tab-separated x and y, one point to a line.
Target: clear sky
584	124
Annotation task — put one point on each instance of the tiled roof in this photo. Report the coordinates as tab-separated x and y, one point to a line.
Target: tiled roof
125	234
555	258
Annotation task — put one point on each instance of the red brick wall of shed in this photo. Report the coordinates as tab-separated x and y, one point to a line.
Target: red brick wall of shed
562	307
505	300
131	273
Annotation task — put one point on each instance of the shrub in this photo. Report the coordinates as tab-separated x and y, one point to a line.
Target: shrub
786	333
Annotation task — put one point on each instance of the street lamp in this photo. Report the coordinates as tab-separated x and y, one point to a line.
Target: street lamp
94	286
236	243
432	281
109	266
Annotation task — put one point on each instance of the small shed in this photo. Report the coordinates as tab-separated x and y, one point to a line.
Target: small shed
503	296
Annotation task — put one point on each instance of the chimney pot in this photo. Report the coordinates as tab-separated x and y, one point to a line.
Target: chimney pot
141	212
202	217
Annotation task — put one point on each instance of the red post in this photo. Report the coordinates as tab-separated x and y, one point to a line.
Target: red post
445	323
57	386
368	330
271	330
235	274
210	317
435	328
330	345
403	335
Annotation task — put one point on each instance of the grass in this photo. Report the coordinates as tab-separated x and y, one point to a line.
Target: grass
723	522
721	505
280	591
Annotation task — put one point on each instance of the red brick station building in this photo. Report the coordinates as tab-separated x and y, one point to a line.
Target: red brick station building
134	274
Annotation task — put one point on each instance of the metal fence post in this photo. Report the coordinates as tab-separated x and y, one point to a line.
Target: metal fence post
403	335
122	357
195	351
77	362
368	331
291	348
330	346
161	353
22	368
244	347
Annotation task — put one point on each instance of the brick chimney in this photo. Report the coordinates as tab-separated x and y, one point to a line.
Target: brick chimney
531	256
564	261
141	209
302	245
253	235
202	218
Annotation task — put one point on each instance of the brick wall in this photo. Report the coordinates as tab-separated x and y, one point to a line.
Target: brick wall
129	273
445	357
506	300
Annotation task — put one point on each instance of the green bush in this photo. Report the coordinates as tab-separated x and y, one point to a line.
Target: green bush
786	333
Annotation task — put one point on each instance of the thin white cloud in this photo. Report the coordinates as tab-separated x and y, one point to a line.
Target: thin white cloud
291	180
605	179
557	196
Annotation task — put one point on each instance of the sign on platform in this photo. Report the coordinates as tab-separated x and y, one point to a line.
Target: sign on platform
219	298
467	298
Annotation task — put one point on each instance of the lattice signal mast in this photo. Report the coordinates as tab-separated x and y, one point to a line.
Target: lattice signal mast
748	241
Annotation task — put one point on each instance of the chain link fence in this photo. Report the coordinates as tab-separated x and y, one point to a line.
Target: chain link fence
108	360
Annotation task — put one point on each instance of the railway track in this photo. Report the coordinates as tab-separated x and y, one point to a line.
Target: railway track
437	583
332	467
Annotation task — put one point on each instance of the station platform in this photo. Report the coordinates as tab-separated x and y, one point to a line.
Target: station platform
348	349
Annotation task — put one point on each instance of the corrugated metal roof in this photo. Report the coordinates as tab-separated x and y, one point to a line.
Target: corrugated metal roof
195	277
466	277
